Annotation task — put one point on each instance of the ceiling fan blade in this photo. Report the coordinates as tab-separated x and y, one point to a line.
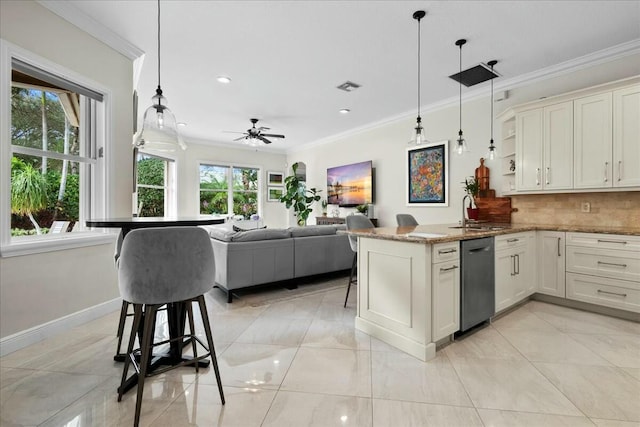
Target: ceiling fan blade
263	139
272	135
263	128
230	131
238	139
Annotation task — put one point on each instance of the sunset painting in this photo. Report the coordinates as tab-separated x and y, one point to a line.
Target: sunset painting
350	185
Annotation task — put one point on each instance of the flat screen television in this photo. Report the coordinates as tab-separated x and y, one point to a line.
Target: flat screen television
350	185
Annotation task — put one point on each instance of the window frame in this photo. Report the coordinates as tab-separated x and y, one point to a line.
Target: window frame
94	187
230	189
170	182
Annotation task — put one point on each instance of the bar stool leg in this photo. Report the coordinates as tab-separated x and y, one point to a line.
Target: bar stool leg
192	330
145	353
123	318
351	280
137	316
207	329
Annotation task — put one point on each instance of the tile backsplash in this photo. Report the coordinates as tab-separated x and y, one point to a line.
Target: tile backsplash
614	209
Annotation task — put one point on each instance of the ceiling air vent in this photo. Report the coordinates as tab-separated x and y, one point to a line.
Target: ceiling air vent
474	75
348	86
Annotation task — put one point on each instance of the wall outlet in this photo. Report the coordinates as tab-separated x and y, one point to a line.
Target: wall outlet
585	207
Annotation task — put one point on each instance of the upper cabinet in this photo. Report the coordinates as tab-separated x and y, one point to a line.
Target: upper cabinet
594	141
544	148
588	139
626	137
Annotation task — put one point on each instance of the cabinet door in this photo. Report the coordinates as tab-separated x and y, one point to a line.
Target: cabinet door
551	263
505	269
522	277
529	150
626	137
446	299
593	141
558	147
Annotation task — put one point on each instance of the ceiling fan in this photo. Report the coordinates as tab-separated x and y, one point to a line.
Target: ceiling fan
254	134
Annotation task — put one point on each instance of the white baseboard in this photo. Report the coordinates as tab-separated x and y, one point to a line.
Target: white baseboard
47	330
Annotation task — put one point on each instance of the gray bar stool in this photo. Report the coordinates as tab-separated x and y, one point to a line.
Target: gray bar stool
406	220
158	266
355	222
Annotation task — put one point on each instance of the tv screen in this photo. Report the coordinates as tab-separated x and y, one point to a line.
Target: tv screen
350	185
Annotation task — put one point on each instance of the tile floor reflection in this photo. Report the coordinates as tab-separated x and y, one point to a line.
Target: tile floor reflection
292	358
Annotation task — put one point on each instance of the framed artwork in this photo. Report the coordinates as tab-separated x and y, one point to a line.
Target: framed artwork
274	194
275	178
428	174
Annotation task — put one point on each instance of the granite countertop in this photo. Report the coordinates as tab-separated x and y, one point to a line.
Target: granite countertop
441	233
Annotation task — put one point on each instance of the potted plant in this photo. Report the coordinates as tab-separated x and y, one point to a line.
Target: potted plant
362	209
472	188
297	195
324	204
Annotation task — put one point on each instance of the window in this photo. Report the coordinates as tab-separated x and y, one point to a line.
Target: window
55	172
226	190
155	185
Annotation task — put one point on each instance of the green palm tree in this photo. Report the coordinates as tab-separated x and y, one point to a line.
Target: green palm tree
28	192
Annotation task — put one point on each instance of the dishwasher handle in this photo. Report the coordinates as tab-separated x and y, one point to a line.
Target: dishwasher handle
482	249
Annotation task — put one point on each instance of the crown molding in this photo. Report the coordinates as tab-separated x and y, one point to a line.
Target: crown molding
613	53
75	16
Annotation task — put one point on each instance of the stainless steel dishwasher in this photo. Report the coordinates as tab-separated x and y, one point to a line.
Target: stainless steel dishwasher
477	282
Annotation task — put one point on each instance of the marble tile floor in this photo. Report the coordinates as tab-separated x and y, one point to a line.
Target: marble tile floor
298	361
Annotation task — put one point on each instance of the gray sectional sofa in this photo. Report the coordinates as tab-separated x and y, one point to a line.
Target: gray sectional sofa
255	257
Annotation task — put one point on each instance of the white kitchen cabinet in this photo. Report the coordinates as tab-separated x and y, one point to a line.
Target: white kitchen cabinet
514	268
544	148
593	148
604	269
626	137
445	287
551	263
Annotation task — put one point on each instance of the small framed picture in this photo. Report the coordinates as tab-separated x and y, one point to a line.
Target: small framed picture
274	194
275	178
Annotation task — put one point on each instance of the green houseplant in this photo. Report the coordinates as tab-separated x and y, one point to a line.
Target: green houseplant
296	195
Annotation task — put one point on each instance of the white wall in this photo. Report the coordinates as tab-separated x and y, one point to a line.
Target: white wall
36	289
386	144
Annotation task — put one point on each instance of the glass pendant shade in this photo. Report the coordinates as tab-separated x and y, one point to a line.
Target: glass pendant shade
461	146
417	134
492	153
159	128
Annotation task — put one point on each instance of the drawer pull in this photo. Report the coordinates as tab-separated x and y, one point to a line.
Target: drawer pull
600	291
512	240
612	263
622	242
449	268
606	171
447	251
559	240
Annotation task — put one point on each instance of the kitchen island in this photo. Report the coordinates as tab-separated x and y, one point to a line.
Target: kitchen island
409	278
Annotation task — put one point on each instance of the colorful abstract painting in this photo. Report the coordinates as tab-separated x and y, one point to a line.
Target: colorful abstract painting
427	174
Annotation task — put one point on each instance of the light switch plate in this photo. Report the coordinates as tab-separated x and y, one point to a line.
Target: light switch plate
585	207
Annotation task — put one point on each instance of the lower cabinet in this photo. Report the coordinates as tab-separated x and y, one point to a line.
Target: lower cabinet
551	263
445	288
515	267
604	269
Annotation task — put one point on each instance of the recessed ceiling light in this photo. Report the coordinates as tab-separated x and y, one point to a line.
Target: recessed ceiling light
345	111
181	124
223	79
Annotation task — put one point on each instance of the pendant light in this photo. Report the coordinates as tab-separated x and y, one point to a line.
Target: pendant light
492	154
417	136
461	147
159	129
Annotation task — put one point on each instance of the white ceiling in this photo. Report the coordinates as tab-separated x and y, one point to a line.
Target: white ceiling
286	58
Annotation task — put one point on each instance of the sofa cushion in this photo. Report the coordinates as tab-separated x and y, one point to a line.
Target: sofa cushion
260	234
220	233
312	230
236	228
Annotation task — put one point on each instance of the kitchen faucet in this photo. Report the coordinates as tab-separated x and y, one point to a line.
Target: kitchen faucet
464	218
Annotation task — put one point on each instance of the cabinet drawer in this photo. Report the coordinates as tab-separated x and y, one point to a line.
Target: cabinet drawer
601	291
605	241
445	252
511	240
604	262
